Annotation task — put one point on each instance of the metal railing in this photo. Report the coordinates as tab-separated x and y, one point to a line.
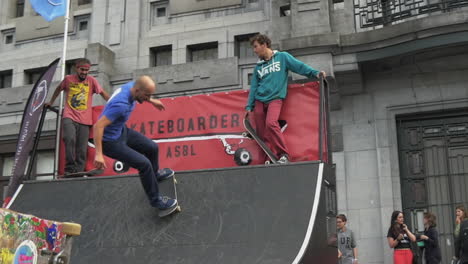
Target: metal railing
370	14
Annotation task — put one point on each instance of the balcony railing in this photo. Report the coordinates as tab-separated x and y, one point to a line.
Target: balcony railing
371	14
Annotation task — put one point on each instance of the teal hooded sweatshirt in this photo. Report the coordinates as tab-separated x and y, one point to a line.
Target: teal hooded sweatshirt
270	78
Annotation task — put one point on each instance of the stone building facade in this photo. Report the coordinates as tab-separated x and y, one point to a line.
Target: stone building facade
399	110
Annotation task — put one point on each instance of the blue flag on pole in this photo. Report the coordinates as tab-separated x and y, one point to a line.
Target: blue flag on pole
50	9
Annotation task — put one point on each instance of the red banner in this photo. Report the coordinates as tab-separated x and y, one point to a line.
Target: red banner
204	131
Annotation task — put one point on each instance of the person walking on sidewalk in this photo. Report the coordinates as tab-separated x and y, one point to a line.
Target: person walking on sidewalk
268	89
77	114
113	139
347	247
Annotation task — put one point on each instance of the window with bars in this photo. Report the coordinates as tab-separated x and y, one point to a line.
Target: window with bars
6	78
203	51
84	2
82	26
159	12
243	49
161	55
9	39
43	166
32	75
374	13
7	161
19	8
253	3
8	36
70	67
338	4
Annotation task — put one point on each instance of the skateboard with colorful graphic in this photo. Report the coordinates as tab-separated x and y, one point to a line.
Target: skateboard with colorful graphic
28	239
168	188
92	172
253	134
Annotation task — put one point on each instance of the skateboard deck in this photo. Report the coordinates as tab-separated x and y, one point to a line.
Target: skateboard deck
82	174
29	239
168	188
252	133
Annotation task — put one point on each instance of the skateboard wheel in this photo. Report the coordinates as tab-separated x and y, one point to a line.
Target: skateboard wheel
242	157
267	162
175	181
71	229
247	135
120	167
178	209
61	260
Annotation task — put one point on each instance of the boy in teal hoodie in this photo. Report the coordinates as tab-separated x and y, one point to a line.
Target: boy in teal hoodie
268	89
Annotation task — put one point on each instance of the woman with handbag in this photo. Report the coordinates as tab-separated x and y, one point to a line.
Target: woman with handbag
399	238
431	240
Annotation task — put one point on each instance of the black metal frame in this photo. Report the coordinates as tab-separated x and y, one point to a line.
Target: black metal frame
324	119
33	155
386	12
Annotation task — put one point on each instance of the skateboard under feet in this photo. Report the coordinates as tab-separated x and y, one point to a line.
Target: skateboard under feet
92	172
168	188
252	133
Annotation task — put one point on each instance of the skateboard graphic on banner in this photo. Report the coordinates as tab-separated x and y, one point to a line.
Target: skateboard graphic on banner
168	188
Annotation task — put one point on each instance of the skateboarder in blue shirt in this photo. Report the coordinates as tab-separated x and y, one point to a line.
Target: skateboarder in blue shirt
113	139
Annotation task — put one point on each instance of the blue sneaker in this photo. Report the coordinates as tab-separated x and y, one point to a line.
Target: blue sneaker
164	174
165	203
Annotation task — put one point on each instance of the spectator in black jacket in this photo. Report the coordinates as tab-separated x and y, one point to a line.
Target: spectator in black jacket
431	239
461	244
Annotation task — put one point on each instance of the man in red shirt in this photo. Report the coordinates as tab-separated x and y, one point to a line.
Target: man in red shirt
77	115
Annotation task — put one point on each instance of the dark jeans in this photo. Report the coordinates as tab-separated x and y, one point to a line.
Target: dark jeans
75	136
138	152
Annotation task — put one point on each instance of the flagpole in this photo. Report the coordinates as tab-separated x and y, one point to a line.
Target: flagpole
59	116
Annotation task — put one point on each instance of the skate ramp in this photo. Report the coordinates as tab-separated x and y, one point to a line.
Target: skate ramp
243	215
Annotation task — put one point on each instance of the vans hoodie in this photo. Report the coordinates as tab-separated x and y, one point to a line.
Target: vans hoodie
270	78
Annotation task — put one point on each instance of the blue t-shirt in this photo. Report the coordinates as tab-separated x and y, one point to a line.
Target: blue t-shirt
117	110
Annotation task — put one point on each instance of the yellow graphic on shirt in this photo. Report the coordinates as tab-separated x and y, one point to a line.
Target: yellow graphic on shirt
78	96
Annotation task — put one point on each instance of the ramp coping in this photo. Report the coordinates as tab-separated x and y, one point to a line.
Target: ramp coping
94	178
14	196
305	243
